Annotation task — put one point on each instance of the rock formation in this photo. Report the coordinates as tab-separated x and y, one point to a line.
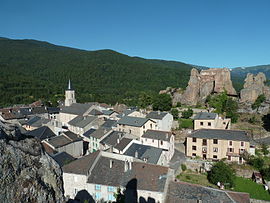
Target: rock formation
253	87
27	174
200	85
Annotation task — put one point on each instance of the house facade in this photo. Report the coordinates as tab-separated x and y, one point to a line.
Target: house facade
205	120
160	139
218	144
163	120
135	125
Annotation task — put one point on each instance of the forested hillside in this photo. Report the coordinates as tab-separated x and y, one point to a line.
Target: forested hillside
31	70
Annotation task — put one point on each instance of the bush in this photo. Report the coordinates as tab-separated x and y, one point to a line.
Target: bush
256	162
187	114
258	102
175	113
162	102
266	173
183	167
223	173
265	150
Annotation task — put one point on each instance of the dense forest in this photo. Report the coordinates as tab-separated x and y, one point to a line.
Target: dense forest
32	70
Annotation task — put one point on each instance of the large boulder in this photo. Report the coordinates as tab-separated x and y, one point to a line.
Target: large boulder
253	87
27	173
200	85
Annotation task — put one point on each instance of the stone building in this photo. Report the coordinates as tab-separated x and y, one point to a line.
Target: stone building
70	95
218	144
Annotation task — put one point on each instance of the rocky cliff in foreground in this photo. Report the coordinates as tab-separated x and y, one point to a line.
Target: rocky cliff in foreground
27	174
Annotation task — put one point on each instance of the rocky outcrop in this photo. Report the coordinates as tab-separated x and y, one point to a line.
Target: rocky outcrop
253	87
175	94
27	174
200	85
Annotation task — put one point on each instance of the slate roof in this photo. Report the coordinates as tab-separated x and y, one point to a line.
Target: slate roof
72	136
205	116
182	192
95	112
156	115
99	133
59	141
107	112
39	110
122	144
37	121
62	158
157	135
236	135
149	177
151	154
41	133
133	121
82	121
109	124
111	138
82	165
11	113
89	132
76	108
53	110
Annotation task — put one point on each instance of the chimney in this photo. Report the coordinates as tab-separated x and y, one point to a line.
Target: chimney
136	154
158	112
167	135
130	165
118	141
111	163
126	166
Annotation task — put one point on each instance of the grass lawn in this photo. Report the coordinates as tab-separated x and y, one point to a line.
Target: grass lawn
185	123
195	178
255	190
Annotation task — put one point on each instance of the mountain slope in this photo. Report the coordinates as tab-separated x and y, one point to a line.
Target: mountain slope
33	69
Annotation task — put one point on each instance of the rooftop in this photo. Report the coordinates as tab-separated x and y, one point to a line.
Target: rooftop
109	124
143	152
63	158
186	192
76	108
58	141
133	121
158	135
82	121
122	144
236	135
205	116
156	115
41	133
98	134
111	138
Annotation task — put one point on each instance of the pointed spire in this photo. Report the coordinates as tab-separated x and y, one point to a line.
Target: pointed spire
69	85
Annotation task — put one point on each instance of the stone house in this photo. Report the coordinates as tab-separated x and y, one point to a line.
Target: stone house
206	120
218	144
160	139
135	125
66	142
164	120
101	173
81	124
41	133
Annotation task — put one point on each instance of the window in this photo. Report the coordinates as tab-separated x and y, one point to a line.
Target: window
143	127
194	139
231	150
229	158
204	141
242	144
209	123
98	187
204	149
215	149
151	126
194	147
161	142
110	189
111	197
193	154
145	140
214	156
129	131
230	143
215	141
153	141
201	123
97	195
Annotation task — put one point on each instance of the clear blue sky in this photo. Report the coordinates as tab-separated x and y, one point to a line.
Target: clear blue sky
215	33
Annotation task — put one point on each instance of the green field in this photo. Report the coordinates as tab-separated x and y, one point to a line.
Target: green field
185	123
255	190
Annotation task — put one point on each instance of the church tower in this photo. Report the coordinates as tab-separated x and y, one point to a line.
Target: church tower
70	95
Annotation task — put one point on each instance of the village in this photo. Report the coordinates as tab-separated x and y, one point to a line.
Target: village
107	151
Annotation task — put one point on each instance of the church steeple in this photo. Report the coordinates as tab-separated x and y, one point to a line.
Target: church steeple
70	95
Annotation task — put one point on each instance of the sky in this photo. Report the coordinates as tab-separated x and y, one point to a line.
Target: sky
213	33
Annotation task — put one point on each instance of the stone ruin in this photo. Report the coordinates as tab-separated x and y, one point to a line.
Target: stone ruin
200	85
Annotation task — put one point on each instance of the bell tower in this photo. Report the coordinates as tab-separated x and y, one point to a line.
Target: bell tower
70	95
